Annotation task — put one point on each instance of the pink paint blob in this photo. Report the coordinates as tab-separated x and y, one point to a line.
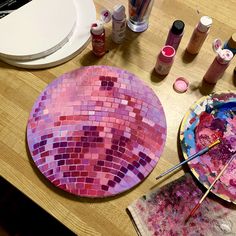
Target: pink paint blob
168	51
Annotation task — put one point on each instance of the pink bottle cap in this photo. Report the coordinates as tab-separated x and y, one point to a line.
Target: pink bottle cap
181	85
167	53
224	56
217	45
105	16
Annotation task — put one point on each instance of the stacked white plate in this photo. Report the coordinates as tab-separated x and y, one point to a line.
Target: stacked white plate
45	33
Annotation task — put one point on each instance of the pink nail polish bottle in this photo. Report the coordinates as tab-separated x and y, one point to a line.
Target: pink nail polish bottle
98	39
218	66
175	34
165	60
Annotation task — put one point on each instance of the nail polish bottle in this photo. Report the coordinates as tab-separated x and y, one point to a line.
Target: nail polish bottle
118	24
218	66
231	44
98	33
175	34
165	60
98	39
199	35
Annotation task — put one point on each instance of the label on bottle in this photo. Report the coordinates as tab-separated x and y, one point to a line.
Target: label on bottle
196	41
173	40
162	68
98	45
118	31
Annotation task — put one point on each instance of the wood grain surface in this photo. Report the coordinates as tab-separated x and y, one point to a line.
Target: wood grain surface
19	89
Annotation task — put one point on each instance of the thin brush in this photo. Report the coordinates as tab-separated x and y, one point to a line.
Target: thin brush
201	152
209	189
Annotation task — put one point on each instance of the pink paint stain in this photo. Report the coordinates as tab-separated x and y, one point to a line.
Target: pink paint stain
163	212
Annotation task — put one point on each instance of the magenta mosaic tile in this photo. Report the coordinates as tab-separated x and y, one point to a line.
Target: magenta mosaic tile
96	131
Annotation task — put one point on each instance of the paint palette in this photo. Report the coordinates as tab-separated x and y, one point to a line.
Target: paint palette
96	131
212	117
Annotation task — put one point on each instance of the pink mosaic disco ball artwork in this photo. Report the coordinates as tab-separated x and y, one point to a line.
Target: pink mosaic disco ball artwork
96	131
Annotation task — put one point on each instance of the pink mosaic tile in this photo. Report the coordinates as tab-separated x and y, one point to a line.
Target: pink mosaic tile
96	131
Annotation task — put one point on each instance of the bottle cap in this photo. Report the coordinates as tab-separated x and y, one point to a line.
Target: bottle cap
119	12
105	16
225	56
97	28
177	27
232	41
167	53
217	45
181	85
204	23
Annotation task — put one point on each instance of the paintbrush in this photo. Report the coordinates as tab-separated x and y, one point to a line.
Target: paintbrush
199	153
209	189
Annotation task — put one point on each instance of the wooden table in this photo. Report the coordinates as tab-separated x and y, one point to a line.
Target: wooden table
19	88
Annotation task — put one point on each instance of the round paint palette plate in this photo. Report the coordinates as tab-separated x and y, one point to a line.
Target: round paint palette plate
210	118
96	131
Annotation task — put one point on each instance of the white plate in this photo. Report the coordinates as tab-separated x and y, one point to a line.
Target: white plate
86	15
37	29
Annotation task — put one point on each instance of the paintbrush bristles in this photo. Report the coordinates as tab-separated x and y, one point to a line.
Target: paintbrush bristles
209	189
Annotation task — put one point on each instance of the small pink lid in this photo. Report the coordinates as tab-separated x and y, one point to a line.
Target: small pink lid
217	45
167	54
105	16
181	85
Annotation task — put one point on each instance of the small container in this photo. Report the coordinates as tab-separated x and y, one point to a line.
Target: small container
98	33
218	66
175	34
231	44
98	38
118	24
199	35
165	60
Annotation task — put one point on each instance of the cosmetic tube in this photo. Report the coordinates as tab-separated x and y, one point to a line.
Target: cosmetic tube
175	34
199	35
218	66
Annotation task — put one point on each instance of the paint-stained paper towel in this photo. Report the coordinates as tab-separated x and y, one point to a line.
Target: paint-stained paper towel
163	212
